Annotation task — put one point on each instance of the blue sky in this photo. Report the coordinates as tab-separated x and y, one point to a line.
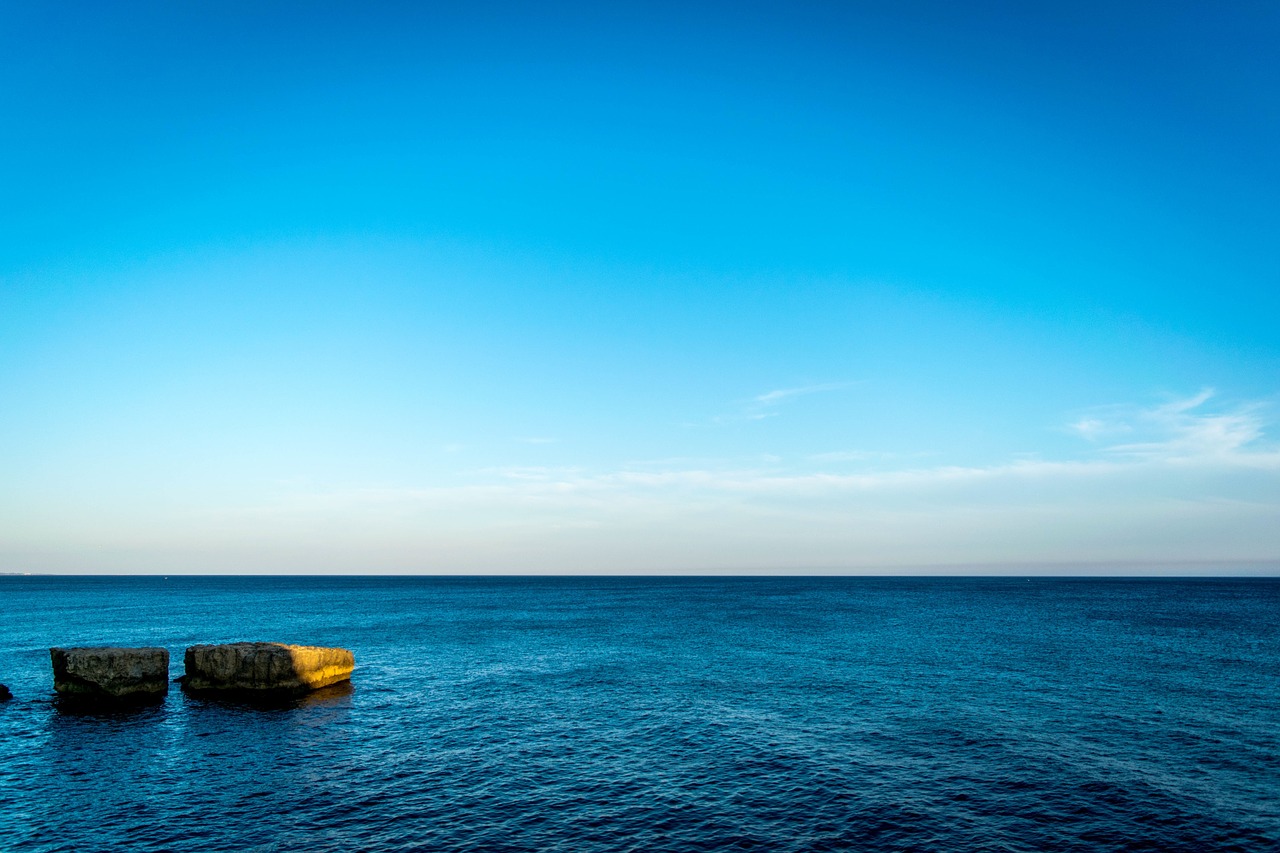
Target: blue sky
654	288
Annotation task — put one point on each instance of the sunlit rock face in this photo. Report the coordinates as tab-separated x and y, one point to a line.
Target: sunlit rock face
265	667
108	673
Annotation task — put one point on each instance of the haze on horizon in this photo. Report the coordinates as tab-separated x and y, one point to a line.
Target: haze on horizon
917	287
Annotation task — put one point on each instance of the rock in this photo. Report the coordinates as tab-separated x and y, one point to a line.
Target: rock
4	693
264	668
111	674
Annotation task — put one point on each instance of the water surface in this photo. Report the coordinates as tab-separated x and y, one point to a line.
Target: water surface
660	714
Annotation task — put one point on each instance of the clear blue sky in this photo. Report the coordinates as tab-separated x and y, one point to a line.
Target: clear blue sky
642	287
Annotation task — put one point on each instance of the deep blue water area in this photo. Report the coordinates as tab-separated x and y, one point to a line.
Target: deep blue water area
663	714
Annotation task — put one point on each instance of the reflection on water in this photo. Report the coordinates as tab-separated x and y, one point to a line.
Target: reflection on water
82	705
334	696
139	773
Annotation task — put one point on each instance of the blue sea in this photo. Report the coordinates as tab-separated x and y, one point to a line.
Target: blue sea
663	714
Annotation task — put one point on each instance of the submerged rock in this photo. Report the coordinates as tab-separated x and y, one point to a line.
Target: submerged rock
109	673
263	668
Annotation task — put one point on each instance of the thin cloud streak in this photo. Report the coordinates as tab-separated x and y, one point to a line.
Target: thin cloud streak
1201	484
1209	444
766	405
772	398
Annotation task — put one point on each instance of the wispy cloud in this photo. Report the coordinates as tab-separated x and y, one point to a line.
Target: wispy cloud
1095	428
1177	435
1183	429
844	456
1196	480
865	456
766	405
772	398
535	473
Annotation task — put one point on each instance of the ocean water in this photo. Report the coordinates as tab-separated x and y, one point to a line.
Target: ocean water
660	714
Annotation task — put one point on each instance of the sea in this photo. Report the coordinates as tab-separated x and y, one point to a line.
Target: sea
662	714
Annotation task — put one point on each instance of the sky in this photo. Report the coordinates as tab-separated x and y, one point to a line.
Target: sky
640	288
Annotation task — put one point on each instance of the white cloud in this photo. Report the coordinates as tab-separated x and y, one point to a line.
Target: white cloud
1092	428
1195	483
766	405
1180	430
772	398
864	456
535	473
1180	438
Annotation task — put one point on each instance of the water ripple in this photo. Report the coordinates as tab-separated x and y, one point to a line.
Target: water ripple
664	715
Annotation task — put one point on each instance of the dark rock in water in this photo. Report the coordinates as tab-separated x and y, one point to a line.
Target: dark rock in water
5	693
262	668
111	674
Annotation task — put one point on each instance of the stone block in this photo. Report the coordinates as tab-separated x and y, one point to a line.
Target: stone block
111	673
265	667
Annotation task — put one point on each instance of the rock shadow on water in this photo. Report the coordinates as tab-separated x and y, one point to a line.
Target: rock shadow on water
333	696
117	710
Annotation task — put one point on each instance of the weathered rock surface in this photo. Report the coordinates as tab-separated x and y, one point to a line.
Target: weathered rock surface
265	667
111	673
